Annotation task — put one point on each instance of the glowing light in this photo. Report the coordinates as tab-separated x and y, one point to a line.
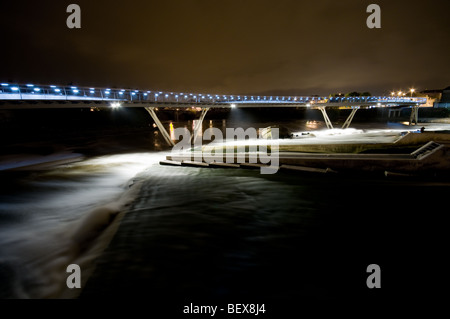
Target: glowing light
30	85
115	105
233	105
57	90
37	89
5	84
75	91
15	88
172	131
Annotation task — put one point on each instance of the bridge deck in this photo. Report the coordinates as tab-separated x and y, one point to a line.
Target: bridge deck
15	96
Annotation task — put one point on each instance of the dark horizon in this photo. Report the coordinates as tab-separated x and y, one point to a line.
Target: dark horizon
257	47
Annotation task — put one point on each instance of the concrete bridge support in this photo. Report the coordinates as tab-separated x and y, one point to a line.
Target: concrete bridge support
414	117
161	127
349	119
347	122
199	124
325	117
166	135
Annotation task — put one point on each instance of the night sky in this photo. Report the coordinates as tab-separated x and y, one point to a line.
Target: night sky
233	47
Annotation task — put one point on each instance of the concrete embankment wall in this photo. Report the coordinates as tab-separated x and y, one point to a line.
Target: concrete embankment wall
406	142
439	161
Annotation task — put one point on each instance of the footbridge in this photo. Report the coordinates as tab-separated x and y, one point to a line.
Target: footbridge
32	96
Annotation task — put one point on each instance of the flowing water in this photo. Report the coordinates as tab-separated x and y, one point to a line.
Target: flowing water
141	230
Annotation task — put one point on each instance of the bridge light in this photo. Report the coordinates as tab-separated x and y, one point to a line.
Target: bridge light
37	89
57	90
132	93
107	92
92	92
5	84
75	91
233	105
115	105
121	93
145	94
15	88
308	104
73	87
30	85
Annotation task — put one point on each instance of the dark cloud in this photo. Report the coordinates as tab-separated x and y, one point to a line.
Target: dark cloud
246	46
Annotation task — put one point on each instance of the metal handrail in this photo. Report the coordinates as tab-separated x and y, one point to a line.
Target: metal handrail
10	91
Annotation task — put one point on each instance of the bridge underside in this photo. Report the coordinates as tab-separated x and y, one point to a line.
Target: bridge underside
152	107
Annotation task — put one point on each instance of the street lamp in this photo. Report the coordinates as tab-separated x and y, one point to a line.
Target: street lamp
412	91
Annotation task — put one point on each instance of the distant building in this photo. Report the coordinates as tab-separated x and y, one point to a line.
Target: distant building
445	98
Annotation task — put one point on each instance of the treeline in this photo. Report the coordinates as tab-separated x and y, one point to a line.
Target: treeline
350	94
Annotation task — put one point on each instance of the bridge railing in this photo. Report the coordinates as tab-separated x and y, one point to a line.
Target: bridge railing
10	91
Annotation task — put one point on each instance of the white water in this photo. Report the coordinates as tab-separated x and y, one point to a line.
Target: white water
45	227
46	224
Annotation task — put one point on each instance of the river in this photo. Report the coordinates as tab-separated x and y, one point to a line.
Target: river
140	230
